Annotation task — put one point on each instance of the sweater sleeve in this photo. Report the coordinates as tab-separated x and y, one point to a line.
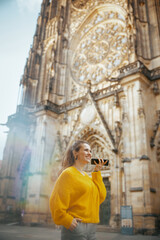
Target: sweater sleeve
59	201
98	181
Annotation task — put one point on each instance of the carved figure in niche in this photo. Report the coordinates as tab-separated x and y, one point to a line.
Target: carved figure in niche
60	23
79	3
74	89
65	43
50	67
118	131
65	142
37	59
158	149
155	87
141	3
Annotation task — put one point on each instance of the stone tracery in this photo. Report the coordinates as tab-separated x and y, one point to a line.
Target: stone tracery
103	47
79	12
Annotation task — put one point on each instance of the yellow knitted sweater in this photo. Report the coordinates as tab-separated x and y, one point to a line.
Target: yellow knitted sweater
77	196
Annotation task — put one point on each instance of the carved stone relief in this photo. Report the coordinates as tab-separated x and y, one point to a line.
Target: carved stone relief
79	3
51	29
80	9
103	46
51	34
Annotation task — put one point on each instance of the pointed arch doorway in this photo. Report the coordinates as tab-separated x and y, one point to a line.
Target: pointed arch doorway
101	148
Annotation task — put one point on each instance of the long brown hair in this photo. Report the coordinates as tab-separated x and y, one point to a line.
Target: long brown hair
69	159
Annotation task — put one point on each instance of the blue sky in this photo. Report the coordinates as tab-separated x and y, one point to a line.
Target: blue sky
18	20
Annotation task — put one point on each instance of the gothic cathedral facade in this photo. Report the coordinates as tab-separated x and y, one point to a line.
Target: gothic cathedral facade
93	73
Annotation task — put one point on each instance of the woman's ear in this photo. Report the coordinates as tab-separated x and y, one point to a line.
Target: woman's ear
74	154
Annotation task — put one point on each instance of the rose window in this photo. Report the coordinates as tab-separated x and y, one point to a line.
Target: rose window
101	48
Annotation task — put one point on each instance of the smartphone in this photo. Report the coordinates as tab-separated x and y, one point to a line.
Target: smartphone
97	161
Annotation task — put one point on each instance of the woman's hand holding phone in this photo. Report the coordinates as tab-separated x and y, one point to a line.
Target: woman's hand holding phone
99	163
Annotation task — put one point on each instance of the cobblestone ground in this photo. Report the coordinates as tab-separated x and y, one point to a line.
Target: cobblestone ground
8	232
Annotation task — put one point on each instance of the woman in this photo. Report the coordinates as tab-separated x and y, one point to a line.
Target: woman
76	197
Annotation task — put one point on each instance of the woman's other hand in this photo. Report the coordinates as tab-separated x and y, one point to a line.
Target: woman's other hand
74	223
99	165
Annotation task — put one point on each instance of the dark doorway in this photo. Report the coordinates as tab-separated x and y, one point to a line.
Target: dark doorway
105	206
